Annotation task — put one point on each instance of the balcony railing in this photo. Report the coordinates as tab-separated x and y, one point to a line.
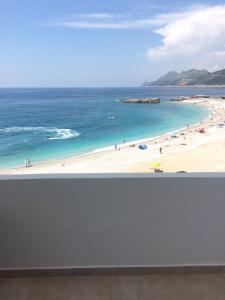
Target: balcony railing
112	221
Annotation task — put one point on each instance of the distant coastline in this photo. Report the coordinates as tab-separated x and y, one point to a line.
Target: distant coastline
190	78
184	86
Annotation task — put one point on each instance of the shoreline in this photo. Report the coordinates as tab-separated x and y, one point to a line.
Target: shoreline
96	151
131	159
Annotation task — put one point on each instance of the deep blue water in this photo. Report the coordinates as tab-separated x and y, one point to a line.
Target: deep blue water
77	120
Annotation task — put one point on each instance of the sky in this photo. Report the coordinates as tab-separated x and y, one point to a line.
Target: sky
91	43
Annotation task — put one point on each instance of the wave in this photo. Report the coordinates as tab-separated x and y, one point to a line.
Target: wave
59	133
64	133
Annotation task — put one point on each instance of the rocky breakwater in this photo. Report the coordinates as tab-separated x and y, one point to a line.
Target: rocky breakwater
183	98
141	100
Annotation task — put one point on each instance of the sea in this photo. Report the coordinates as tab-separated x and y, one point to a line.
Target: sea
45	124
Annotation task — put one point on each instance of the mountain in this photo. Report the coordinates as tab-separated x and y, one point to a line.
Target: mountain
190	78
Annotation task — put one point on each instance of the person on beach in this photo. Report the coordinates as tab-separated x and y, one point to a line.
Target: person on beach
116	147
160	150
28	163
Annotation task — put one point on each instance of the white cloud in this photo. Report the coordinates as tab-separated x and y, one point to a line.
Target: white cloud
195	38
112	21
99	16
190	38
98	25
129	24
220	53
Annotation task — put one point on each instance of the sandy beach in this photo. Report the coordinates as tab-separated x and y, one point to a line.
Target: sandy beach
184	150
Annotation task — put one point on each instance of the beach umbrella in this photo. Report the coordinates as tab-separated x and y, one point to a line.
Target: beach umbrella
156	164
143	147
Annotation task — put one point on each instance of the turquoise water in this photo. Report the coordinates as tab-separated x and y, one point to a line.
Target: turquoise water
79	120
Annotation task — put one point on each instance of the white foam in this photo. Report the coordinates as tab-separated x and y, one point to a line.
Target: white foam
64	133
59	133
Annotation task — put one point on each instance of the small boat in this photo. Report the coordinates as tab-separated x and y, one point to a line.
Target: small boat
111	117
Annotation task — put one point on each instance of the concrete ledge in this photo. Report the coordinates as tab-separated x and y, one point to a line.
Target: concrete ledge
67	176
175	270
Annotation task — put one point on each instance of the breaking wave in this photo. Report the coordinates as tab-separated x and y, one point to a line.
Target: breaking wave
52	132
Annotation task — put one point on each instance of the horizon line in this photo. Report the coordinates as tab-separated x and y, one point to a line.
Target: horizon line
61	87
